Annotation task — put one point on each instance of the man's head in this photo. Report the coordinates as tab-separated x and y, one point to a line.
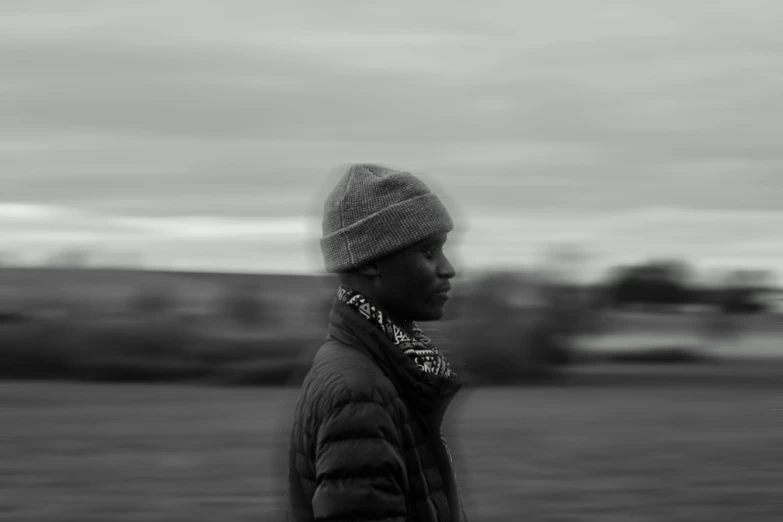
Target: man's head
383	232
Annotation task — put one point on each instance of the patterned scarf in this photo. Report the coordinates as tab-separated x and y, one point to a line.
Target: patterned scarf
418	347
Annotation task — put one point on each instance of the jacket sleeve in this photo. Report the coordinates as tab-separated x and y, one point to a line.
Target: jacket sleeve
360	471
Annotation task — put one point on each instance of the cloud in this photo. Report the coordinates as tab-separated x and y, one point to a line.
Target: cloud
28	212
218	229
562	73
238	110
492	239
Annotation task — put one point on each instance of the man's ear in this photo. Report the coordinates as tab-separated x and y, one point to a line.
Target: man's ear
370	269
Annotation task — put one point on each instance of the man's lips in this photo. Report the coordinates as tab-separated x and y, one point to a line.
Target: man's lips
443	291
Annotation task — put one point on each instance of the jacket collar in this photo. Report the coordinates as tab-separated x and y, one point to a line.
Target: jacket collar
427	394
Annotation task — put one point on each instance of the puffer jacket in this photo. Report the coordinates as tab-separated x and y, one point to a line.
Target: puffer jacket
366	441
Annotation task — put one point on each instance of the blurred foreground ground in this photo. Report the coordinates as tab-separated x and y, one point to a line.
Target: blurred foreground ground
656	416
698	449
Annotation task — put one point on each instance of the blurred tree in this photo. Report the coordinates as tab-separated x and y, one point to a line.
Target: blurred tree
507	329
743	291
666	282
733	295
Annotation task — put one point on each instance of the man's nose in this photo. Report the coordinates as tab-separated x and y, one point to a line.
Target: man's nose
446	269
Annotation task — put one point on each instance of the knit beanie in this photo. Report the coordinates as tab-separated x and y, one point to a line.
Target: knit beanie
374	211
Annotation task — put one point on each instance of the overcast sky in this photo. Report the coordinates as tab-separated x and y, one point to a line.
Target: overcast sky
199	134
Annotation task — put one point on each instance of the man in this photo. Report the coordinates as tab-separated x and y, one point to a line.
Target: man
366	442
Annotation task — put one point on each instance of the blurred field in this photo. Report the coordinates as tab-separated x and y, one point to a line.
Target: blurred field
695	439
692	452
135	325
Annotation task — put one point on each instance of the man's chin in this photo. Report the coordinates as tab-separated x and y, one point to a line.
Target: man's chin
435	314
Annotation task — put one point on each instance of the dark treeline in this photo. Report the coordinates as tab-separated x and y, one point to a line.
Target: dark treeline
674	284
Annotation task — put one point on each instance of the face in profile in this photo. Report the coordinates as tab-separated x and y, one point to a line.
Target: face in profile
413	284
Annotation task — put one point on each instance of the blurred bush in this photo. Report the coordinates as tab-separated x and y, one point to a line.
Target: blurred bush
511	329
144	349
243	305
502	328
661	355
152	300
37	349
156	349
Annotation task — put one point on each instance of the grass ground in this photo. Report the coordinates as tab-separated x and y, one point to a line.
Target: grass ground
702	450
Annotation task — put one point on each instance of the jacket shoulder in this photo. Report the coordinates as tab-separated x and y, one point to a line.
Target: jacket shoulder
342	374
